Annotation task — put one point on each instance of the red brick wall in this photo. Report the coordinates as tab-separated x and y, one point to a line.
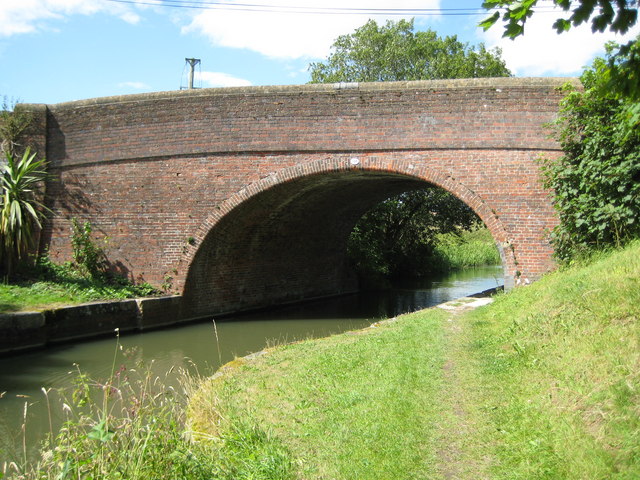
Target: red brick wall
245	196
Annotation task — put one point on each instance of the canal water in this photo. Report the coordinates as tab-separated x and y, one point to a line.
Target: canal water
205	346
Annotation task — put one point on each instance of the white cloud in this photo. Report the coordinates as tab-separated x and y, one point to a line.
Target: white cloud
541	51
290	35
25	16
134	85
219	79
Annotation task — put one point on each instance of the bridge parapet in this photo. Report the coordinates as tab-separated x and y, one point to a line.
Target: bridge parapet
472	113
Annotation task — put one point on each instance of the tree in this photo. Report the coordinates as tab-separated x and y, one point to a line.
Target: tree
394	51
597	181
397	237
20	209
622	72
615	15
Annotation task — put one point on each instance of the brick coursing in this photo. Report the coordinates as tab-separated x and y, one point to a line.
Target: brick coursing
245	196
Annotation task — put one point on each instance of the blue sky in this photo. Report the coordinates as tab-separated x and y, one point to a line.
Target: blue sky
61	50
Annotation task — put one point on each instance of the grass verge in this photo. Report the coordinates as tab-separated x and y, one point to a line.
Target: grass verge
50	286
544	383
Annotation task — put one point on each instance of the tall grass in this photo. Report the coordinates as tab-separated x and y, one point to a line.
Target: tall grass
132	426
466	249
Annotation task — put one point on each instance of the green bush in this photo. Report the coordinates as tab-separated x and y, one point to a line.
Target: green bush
597	180
89	258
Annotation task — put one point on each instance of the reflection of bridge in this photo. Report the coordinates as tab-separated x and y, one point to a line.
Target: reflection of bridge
245	196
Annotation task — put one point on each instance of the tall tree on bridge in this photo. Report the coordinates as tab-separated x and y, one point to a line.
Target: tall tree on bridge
396	238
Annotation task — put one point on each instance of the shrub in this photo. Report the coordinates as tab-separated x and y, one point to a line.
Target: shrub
89	258
20	209
597	180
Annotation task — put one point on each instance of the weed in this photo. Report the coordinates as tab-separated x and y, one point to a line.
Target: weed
89	258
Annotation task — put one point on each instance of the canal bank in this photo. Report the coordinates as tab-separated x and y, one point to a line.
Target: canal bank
23	331
542	383
199	347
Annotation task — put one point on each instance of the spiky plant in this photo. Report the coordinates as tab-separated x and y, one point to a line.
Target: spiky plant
20	209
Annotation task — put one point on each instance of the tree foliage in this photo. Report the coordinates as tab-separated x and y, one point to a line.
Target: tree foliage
597	181
13	123
615	15
622	72
397	238
394	51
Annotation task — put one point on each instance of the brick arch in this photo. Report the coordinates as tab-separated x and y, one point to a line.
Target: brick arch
363	168
158	172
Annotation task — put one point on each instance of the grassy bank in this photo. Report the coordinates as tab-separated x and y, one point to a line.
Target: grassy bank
560	364
543	383
468	249
337	404
49	286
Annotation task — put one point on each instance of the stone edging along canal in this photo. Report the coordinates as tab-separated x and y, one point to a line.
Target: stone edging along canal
23	331
30	330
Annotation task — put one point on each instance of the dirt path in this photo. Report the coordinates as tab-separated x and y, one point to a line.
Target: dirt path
460	455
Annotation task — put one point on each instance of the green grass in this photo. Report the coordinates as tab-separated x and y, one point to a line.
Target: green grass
561	363
50	286
349	407
468	249
544	383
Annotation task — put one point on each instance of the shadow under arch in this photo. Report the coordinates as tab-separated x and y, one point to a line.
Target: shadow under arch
283	239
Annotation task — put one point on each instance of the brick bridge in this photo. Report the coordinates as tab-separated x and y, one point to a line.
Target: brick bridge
244	197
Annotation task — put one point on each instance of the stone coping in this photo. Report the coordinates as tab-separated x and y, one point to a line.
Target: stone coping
455	84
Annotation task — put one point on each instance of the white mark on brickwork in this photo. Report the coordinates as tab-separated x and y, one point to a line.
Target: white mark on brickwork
427	121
